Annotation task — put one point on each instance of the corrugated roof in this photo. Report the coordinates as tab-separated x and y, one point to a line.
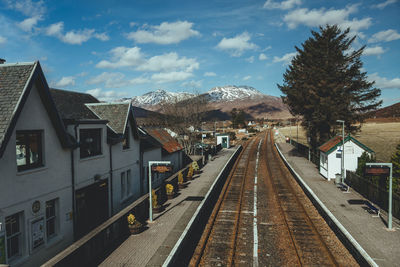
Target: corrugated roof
331	145
168	142
13	80
115	113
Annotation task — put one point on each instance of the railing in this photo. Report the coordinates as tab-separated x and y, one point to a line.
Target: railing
95	246
304	151
373	193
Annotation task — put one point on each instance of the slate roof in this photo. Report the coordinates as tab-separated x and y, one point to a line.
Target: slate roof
115	113
331	145
167	141
13	80
71	105
16	82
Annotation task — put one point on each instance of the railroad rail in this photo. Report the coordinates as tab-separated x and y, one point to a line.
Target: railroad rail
217	244
266	221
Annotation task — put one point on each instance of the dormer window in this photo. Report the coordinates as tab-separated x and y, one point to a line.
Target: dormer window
29	149
90	142
125	143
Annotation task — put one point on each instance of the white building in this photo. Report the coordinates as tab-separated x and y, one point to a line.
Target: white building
35	169
331	152
223	139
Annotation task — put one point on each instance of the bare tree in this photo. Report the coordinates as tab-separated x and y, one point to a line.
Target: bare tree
184	117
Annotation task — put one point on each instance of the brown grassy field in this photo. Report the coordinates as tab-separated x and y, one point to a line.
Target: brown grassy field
380	137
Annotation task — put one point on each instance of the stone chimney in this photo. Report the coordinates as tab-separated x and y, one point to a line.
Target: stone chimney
2	61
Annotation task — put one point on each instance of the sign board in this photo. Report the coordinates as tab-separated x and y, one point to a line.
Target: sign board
377	170
37	228
161	168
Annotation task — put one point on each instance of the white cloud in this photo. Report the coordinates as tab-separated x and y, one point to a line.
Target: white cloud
250	59
27	7
246	78
169	62
384	83
288	4
286	58
174	76
210	74
384	36
105	95
131	24
373	51
384	4
317	17
237	45
3	40
74	36
165	33
123	57
110	79
66	81
192	84
28	24
262	56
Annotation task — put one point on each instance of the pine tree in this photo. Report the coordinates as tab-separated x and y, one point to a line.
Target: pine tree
325	83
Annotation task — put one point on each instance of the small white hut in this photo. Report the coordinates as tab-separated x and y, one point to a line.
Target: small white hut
223	139
331	155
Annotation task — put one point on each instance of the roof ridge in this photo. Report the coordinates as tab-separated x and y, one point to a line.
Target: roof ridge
108	103
17	64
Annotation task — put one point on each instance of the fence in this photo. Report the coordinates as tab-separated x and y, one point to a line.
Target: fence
373	193
304	151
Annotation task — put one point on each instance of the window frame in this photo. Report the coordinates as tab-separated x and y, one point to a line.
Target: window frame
18	235
85	154
123	185
25	134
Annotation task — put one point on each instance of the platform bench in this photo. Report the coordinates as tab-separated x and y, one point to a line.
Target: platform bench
373	209
343	187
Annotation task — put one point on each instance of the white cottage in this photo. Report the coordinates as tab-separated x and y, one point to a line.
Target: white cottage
331	152
223	139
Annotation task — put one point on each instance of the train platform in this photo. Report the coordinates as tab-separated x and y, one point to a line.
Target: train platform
349	209
152	246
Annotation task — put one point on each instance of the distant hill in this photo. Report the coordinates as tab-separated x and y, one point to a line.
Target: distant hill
222	100
392	111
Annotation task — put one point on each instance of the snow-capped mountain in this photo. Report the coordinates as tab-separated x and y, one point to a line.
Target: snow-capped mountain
157	97
232	93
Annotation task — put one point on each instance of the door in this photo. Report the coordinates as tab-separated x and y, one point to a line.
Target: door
224	142
91	207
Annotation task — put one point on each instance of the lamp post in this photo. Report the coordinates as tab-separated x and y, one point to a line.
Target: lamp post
390	166
150	189
342	156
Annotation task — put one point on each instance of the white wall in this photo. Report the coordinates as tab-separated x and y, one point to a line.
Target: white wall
219	139
351	155
19	190
123	160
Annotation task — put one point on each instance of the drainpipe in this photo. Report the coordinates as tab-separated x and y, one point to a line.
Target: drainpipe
73	183
111	181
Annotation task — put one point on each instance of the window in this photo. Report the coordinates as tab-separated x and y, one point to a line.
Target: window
13	232
90	142
126	184
50	218
29	149
125	143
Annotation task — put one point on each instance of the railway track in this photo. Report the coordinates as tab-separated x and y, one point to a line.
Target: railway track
306	241
266	221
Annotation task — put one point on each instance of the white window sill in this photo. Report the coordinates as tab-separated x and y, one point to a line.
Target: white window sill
25	172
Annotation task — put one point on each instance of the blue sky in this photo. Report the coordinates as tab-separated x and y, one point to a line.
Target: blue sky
118	49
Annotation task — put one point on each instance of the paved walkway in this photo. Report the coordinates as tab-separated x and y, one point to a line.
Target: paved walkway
151	247
370	232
